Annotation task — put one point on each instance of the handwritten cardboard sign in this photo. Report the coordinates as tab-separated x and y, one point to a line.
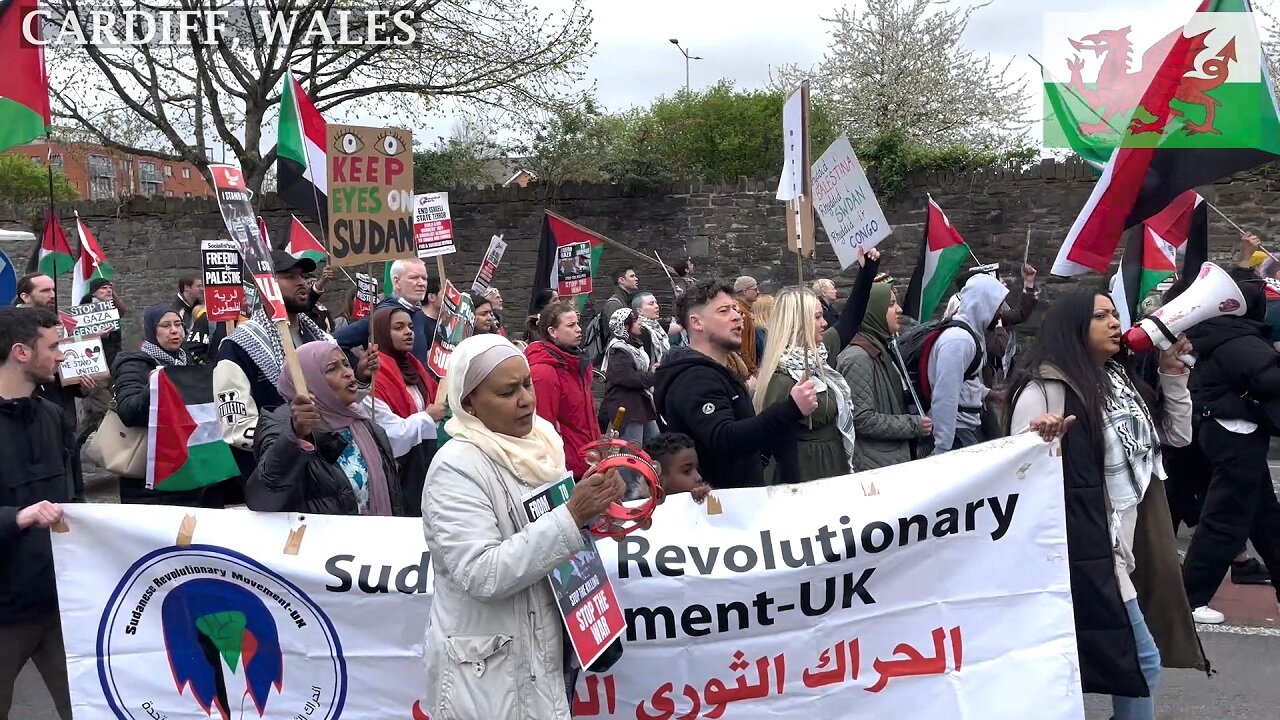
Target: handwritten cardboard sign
492	256
223	281
370	194
83	358
92	318
842	196
432	225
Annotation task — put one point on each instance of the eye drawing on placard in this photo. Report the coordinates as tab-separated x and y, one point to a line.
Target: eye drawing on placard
390	144
348	143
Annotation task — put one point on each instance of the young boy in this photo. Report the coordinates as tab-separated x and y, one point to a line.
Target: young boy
677	465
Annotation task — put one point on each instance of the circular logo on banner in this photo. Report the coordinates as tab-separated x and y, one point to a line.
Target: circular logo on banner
203	631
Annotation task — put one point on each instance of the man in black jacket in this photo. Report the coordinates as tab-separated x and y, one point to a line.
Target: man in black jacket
696	394
1237	369
35	476
410	289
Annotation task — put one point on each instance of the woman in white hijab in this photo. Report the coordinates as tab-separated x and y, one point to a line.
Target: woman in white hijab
494	641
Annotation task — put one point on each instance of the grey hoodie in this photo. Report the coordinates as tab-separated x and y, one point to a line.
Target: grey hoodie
957	402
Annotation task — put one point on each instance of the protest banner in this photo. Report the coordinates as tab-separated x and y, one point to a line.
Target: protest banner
432	225
489	267
91	318
370	174
848	208
457	322
83	358
366	295
586	599
929	589
223	281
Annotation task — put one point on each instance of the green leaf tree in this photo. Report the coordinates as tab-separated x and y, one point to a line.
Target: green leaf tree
23	181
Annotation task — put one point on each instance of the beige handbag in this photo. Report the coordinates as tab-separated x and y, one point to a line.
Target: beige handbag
120	449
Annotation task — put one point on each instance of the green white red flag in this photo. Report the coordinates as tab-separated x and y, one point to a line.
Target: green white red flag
55	251
302	244
942	253
24	85
90	265
185	449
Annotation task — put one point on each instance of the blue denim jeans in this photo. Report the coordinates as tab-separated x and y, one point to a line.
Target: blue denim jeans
1127	708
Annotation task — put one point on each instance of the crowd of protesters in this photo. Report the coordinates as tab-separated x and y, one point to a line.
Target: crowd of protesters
727	388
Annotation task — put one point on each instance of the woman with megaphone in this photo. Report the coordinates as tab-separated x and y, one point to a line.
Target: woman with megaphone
1075	384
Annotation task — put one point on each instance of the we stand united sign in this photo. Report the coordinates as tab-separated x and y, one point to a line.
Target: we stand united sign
887	594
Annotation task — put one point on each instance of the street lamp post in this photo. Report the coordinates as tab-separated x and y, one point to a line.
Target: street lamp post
687	58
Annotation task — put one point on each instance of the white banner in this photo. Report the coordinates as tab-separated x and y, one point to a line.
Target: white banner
934	589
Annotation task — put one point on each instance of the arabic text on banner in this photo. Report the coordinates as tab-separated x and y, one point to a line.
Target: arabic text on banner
930	589
223	281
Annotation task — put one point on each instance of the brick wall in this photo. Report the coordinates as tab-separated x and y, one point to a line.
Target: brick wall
729	228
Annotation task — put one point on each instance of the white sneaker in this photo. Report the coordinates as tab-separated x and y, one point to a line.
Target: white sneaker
1206	615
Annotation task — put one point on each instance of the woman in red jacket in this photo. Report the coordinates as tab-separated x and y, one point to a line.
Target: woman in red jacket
562	381
405	404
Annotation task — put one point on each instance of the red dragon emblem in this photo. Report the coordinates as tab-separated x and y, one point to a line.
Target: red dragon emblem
1120	90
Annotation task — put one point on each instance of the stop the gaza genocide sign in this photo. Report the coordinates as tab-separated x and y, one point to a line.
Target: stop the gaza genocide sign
370	194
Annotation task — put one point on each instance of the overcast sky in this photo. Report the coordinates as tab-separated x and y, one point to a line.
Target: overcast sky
742	39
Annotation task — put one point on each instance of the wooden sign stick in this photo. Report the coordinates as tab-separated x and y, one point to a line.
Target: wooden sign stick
373	379
291	355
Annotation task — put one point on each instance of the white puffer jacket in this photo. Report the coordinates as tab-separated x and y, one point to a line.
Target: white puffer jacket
494	642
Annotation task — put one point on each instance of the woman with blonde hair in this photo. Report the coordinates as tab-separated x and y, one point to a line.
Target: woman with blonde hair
824	441
802	345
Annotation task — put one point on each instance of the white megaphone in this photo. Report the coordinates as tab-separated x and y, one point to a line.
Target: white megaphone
1212	295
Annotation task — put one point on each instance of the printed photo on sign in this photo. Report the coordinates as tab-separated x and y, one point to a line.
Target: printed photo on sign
457	322
488	268
83	358
848	208
432	225
574	266
235	202
223	279
370	172
586	599
91	319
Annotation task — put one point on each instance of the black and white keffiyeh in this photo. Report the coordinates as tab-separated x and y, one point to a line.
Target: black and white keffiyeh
164	358
1131	447
795	361
259	337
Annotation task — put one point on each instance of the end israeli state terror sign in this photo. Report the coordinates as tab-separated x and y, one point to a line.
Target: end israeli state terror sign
371	201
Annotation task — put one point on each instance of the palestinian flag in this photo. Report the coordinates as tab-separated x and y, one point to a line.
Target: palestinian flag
24	85
1152	250
91	265
942	252
55	252
185	449
302	244
1192	128
301	168
568	260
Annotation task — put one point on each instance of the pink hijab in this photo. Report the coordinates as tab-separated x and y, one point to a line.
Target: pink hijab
312	358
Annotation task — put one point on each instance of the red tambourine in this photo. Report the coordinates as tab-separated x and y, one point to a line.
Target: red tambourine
618	520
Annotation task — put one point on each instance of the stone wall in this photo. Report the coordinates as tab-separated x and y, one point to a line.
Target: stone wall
729	229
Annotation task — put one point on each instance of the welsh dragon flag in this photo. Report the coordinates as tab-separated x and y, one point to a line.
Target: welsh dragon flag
302	244
942	253
90	265
1204	111
185	449
568	260
24	86
55	251
301	166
